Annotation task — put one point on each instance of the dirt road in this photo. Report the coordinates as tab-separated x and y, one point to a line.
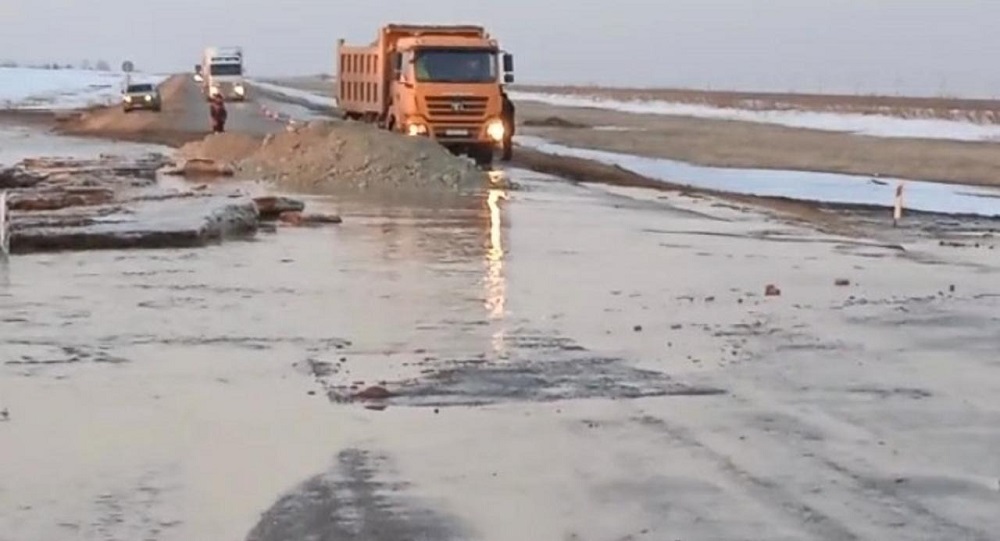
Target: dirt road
565	362
185	116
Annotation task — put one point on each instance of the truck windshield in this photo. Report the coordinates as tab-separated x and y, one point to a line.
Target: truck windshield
226	69
455	66
140	88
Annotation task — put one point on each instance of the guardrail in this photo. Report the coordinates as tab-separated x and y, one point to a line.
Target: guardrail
4	226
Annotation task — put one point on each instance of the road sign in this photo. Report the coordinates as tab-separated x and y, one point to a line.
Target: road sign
127	66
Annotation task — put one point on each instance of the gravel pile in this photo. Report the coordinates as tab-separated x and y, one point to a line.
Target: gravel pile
323	157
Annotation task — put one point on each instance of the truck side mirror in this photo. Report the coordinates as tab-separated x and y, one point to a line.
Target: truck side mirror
508	62
508	78
397	64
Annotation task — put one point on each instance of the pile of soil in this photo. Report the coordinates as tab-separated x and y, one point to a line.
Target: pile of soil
228	148
332	156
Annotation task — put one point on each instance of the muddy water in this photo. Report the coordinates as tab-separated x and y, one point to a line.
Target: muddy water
571	364
18	143
149	386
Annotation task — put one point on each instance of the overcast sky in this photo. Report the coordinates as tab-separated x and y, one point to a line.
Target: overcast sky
906	46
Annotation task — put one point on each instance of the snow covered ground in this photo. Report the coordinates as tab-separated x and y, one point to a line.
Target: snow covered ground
873	125
296	94
28	88
800	185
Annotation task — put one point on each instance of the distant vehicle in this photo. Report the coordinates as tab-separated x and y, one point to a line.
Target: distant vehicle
222	73
141	96
197	74
441	82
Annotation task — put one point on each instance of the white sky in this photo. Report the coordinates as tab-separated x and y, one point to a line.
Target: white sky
905	46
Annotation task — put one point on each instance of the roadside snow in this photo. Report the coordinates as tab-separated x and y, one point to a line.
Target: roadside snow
873	125
296	94
28	88
799	185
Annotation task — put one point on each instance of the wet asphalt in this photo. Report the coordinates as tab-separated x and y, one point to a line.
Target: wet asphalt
565	363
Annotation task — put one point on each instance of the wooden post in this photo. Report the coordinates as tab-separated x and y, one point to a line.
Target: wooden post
897	211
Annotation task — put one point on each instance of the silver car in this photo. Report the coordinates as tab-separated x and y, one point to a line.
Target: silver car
141	96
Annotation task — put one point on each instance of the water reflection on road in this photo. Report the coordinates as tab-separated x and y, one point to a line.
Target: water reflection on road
496	285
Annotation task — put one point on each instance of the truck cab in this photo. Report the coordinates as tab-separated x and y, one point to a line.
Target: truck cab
222	73
440	82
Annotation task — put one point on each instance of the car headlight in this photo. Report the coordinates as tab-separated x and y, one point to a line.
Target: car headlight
416	129
239	89
496	130
127	99
149	98
213	89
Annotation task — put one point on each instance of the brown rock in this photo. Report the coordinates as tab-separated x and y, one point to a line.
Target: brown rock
272	207
197	167
375	392
321	219
290	217
772	291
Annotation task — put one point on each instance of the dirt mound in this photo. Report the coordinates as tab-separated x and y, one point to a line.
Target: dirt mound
222	147
329	156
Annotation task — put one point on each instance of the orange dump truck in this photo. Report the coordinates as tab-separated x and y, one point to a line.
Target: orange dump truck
441	82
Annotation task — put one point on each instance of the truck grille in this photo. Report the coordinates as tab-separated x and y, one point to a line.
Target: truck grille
456	107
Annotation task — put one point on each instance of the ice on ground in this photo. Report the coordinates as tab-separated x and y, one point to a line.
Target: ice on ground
800	185
872	125
30	88
296	94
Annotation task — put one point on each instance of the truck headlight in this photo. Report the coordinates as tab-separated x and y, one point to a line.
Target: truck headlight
416	129
213	90
149	98
239	89
127	99
496	130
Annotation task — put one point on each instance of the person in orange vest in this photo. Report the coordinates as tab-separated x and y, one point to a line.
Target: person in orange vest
217	110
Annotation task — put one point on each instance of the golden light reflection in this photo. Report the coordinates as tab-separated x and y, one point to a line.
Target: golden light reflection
496	285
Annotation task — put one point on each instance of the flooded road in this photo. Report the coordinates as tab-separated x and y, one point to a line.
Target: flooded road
567	363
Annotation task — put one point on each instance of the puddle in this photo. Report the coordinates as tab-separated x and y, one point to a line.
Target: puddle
18	143
800	185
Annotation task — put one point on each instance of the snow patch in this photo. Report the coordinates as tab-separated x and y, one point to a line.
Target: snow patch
296	94
872	125
42	89
799	185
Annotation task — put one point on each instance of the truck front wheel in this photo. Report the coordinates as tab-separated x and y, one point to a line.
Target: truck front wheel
483	155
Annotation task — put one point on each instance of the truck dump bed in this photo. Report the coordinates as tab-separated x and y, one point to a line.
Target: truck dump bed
361	79
364	72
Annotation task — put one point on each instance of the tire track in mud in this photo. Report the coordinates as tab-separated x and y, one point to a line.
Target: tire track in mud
800	435
805	517
886	513
788	463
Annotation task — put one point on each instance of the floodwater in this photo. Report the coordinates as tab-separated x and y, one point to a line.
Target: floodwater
800	185
20	142
569	363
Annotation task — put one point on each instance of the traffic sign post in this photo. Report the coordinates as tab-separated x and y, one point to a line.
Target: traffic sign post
128	67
